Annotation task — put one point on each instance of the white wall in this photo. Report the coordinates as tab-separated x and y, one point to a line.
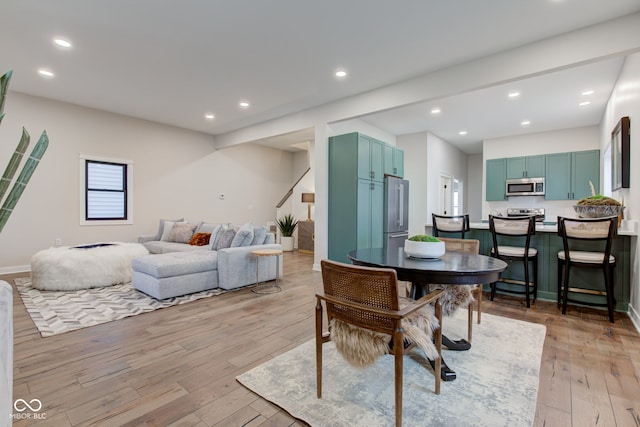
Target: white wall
177	173
560	141
426	157
625	101
473	187
415	170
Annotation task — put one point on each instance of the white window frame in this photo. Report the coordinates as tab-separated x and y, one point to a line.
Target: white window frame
83	158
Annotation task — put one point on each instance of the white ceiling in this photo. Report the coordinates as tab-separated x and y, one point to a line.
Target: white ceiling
174	61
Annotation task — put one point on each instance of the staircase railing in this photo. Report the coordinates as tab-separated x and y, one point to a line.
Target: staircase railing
290	192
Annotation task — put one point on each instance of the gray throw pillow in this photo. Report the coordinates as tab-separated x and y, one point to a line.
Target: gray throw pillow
244	236
259	235
225	239
181	232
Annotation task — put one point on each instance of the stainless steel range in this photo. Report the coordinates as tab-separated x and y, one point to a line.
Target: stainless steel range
538	212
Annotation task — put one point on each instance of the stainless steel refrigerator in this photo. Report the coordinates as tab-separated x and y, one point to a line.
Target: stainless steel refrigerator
396	211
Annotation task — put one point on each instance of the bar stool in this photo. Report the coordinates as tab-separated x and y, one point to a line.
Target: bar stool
458	224
521	228
450	224
601	232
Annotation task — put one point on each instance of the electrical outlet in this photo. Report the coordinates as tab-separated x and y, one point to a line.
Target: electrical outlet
58	242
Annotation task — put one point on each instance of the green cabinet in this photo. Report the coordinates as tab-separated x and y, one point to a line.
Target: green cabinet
356	194
370	158
526	167
568	174
393	161
496	171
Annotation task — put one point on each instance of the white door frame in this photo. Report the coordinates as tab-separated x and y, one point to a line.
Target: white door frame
445	191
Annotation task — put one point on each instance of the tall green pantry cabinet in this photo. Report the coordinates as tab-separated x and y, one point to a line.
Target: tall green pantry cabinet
356	194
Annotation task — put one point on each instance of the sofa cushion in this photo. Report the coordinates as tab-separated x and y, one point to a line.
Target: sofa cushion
244	236
181	232
206	227
225	239
200	239
168	226
176	263
259	234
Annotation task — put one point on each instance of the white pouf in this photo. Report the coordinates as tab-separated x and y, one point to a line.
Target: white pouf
69	268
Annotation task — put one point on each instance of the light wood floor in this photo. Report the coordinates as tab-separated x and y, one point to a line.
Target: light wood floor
177	366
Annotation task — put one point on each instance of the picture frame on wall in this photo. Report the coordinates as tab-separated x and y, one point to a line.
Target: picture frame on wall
620	154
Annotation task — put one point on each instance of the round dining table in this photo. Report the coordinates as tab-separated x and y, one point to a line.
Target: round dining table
452	268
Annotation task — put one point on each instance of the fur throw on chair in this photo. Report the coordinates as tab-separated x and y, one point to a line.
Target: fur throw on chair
362	347
455	296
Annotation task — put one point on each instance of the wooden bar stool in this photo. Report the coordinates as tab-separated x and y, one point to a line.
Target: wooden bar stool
599	231
522	228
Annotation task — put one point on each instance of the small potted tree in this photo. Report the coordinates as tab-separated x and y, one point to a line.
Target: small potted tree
287	225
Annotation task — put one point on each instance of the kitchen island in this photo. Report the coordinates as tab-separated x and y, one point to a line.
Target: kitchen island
548	244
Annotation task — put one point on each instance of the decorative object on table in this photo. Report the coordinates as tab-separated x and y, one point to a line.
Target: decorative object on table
621	154
502	392
598	206
310	199
424	246
27	169
287	225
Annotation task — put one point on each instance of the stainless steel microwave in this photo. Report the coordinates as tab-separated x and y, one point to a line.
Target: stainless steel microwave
525	187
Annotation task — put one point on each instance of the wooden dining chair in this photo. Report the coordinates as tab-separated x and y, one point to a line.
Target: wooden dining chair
363	301
467	246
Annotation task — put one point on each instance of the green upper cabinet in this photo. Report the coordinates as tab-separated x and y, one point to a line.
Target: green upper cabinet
393	161
558	180
370	158
585	167
526	167
496	171
568	174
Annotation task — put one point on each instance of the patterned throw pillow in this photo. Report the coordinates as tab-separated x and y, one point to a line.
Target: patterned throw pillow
181	232
200	239
225	239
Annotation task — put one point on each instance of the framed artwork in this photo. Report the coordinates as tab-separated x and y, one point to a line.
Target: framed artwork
620	154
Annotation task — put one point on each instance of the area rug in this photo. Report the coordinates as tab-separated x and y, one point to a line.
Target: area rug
56	312
496	385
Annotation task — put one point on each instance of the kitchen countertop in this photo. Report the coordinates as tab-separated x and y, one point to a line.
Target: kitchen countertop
552	227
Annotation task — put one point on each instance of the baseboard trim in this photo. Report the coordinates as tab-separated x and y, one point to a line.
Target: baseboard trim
15	269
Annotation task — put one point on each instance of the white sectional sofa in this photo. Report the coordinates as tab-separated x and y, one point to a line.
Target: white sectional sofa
176	267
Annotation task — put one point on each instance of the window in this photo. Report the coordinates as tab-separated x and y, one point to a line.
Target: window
106	191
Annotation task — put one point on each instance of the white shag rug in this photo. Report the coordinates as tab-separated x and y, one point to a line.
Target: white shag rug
496	385
69	268
56	312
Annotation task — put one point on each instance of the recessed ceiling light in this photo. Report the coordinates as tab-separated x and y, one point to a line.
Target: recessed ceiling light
525	122
582	104
435	111
587	93
62	43
462	132
45	73
514	94
341	73
244	104
209	116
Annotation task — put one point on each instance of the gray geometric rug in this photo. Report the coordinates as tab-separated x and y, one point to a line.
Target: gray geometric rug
496	385
56	312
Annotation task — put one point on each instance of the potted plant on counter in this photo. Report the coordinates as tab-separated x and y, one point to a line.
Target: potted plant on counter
598	206
287	225
424	246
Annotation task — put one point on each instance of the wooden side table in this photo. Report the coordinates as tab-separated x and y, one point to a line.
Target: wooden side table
264	287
